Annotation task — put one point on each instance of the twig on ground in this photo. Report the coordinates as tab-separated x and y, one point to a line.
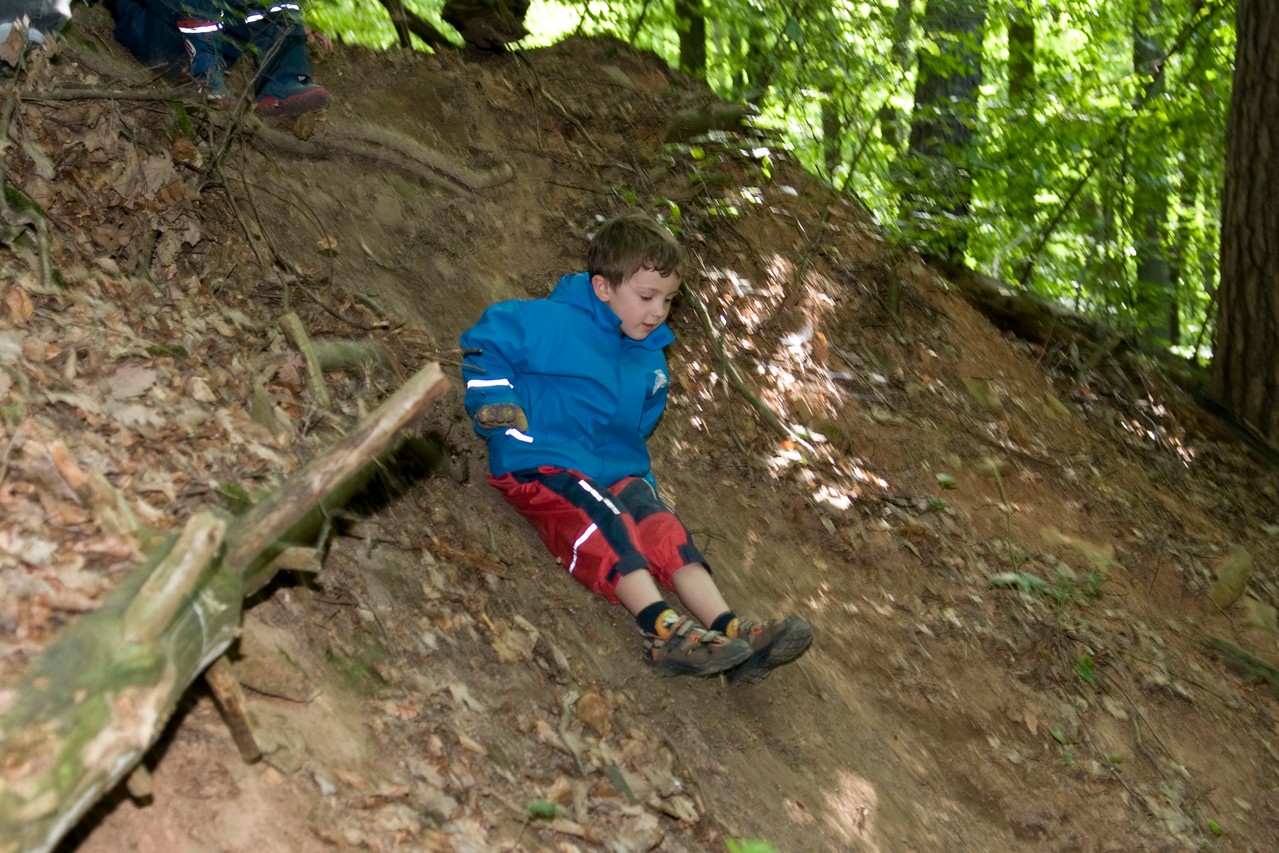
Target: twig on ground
765	412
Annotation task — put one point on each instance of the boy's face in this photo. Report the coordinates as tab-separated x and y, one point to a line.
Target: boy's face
641	302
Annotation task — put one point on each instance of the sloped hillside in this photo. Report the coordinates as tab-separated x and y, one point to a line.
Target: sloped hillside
1007	551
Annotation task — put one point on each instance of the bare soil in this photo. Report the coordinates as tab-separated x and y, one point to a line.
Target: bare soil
1006	551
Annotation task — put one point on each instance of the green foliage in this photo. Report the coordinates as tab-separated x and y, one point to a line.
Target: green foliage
745	846
1076	154
367	22
1086	669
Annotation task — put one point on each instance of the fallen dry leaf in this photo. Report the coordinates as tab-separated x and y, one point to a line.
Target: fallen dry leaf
18	305
130	380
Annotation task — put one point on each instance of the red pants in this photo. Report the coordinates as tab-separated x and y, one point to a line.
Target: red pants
601	534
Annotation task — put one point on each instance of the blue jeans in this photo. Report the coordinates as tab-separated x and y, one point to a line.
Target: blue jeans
271	32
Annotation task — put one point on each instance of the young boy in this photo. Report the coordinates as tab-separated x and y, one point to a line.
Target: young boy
566	390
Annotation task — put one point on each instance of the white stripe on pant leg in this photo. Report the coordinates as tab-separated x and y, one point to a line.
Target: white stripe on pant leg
577	544
595	494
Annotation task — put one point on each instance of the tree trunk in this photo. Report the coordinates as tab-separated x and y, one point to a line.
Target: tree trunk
1155	297
938	196
1021	203
832	134
1021	58
890	120
1246	360
406	22
692	37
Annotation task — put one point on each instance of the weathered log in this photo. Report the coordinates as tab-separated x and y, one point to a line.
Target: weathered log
686	124
1022	312
351	355
273	525
85	712
82	715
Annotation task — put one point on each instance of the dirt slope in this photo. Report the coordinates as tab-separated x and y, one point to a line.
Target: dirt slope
1005	552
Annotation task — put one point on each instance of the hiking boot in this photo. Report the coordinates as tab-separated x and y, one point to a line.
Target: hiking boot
292	96
212	88
685	648
772	644
208	68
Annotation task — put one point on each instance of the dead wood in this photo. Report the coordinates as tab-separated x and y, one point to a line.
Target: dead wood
1027	315
294	331
1246	663
86	711
226	689
335	355
82	715
384	147
268	528
407	21
686	124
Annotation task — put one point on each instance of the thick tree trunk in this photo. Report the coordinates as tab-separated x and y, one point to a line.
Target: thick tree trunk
1155	297
890	119
1021	57
692	37
1246	360
940	179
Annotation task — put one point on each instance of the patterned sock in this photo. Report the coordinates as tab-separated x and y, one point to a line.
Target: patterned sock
724	623
657	619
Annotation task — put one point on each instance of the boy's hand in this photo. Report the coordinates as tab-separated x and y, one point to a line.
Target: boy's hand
502	415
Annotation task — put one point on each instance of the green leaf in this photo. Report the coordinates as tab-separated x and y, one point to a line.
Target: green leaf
1086	669
747	846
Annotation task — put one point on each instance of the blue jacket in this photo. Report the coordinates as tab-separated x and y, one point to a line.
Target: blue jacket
591	394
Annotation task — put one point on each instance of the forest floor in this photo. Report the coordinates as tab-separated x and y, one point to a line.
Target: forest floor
1006	550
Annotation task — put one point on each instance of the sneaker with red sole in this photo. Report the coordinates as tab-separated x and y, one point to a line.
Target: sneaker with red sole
292	97
682	647
772	644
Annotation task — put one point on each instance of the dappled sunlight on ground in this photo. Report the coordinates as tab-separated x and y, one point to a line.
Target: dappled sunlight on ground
851	810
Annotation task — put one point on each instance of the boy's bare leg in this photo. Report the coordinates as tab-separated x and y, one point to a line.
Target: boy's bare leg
693	585
697	590
637	591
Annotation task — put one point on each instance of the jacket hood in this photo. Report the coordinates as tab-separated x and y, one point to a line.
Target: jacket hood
575	289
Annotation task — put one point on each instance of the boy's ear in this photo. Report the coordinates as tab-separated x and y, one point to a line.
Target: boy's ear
602	288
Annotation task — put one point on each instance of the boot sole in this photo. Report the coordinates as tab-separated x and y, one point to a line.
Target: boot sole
725	660
788	645
294	105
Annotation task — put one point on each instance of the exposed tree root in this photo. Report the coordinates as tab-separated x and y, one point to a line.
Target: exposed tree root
382	146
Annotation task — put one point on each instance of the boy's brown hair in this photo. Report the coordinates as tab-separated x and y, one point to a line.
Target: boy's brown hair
625	245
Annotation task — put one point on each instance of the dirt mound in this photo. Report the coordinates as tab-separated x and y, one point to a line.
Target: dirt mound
1005	551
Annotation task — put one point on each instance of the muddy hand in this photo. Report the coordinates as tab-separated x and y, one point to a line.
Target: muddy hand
502	415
